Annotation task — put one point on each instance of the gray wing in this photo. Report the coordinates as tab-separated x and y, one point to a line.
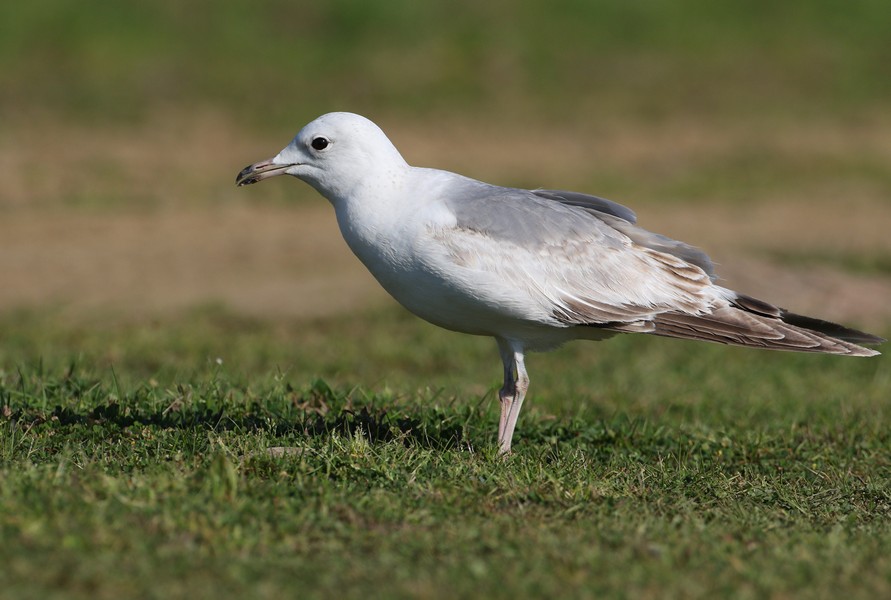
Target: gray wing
591	203
569	265
661	243
623	219
552	216
576	260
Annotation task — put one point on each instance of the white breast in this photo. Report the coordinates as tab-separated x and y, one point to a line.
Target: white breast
399	244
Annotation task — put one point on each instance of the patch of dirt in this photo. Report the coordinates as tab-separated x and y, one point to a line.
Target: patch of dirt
261	261
171	231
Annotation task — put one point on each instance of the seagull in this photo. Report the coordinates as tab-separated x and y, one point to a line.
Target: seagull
531	268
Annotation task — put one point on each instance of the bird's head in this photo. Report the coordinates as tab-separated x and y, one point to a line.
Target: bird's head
335	154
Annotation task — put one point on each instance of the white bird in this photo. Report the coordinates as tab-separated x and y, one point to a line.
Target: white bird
531	268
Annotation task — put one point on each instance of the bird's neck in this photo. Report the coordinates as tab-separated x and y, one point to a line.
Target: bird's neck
380	189
369	202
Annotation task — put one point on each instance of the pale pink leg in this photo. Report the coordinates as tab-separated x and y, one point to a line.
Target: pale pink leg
512	393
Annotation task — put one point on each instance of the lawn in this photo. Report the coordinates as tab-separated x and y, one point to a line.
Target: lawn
642	467
203	395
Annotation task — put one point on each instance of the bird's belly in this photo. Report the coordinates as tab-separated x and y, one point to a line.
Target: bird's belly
465	304
441	304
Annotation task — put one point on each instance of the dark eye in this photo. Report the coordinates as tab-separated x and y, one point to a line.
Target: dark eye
319	143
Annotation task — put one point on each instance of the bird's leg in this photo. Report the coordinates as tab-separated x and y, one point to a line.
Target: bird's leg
512	393
506	396
521	384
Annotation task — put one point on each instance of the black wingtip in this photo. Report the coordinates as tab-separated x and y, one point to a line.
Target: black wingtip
833	330
839	332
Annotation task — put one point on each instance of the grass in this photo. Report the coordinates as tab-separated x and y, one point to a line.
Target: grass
653	470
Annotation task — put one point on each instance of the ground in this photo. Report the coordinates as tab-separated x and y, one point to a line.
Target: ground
150	221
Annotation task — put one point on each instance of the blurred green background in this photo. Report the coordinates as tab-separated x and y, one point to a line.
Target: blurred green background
278	62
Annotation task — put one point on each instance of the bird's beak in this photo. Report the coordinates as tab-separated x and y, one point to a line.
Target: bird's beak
260	171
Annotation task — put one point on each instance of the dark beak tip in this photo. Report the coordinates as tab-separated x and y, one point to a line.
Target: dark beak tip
244	177
259	171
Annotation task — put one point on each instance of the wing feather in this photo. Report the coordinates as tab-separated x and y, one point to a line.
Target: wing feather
563	259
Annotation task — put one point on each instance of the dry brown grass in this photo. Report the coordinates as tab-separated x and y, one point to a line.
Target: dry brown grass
149	221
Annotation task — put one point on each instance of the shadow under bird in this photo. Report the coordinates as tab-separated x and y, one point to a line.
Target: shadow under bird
531	268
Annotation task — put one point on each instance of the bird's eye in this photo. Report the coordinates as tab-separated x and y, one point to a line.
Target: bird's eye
319	143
